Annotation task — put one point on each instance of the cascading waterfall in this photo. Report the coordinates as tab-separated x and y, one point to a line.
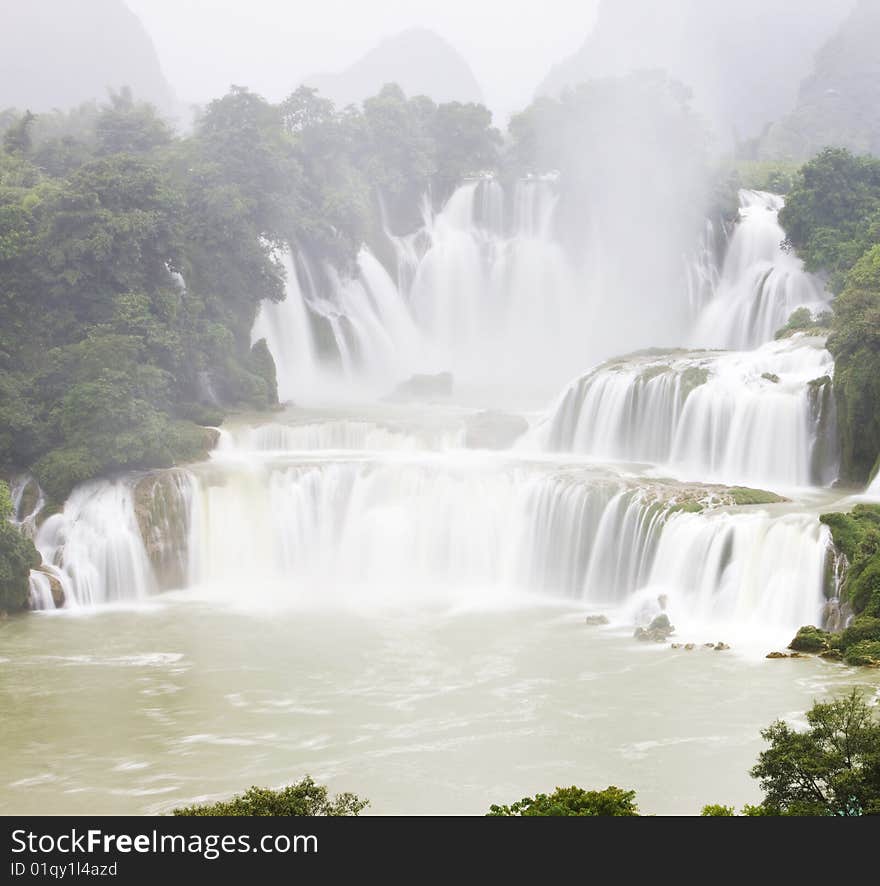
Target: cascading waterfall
312	508
737	417
95	546
271	531
761	283
337	434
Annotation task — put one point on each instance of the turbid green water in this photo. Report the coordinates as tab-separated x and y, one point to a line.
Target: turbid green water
431	710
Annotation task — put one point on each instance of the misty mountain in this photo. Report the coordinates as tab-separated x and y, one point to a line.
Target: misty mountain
838	103
418	60
58	54
744	61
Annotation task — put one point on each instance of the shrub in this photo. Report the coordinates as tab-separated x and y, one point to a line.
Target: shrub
305	798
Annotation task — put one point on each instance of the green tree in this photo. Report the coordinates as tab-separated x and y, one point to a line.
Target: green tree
17	557
305	798
613	801
832	768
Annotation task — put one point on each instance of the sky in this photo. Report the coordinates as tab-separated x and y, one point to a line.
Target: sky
270	45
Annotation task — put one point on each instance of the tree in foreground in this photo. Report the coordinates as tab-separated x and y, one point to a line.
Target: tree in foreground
305	798
612	801
832	768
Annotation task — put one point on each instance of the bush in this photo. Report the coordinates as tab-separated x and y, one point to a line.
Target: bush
305	798
810	639
863	653
17	557
613	801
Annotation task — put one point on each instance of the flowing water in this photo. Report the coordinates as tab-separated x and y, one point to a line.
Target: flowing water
389	593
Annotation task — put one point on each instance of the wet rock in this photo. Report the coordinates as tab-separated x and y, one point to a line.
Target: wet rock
55	587
810	639
689	647
709	645
423	387
721	647
493	430
675	646
597	620
831	655
776	655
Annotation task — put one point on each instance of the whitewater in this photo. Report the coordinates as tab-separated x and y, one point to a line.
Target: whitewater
393	570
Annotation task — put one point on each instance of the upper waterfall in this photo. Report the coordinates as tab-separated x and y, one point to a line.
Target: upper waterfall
761	282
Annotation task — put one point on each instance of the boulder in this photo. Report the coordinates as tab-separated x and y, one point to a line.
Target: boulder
776	655
721	647
689	647
596	620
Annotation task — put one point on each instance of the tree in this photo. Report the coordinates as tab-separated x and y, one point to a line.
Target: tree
832	768
17	557
305	798
612	802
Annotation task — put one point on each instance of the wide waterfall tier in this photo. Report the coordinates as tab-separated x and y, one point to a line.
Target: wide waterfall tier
483	290
763	417
761	282
415	528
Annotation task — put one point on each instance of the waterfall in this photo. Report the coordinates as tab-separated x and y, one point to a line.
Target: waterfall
264	531
338	434
761	282
95	546
736	417
287	329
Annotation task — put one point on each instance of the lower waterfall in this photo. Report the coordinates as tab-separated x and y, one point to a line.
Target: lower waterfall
265	530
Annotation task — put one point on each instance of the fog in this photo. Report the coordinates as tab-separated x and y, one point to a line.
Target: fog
270	45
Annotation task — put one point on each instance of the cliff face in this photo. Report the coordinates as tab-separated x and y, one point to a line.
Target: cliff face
419	61
838	103
743	61
60	53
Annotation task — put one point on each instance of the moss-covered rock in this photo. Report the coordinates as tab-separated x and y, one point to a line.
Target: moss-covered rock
811	639
742	495
772	377
162	512
865	653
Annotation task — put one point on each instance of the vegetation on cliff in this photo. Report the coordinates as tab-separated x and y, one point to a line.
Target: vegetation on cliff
133	261
856	537
17	557
832	219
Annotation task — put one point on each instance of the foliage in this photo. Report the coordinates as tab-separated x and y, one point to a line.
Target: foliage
17	557
305	798
613	801
133	261
811	639
802	320
832	218
832	768
715	811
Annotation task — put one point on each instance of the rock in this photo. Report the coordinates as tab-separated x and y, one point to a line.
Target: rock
661	622
709	645
810	639
831	655
597	620
423	387
652	635
55	586
493	430
675	646
689	647
776	655
721	647
797	655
